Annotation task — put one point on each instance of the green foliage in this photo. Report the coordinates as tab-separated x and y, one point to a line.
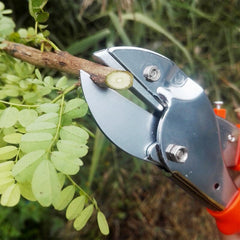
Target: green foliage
102	223
6	23
41	141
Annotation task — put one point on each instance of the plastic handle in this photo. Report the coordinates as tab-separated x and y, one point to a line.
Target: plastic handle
228	220
221	112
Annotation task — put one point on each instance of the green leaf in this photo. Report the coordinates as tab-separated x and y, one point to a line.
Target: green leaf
42	17
26	191
74	133
61	178
49	107
6	166
7	26
75	207
102	223
46	127
14	138
38	74
48	81
73	148
35	7
27	116
76	108
100	147
45	183
63	199
11	196
84	44
24	168
119	28
5	183
8	117
8	152
2	6
10	130
48	117
35	141
143	19
6	174
62	83
66	163
84	216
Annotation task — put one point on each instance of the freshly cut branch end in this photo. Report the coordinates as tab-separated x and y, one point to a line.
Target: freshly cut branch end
119	80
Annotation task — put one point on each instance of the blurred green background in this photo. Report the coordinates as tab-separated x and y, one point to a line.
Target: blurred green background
202	37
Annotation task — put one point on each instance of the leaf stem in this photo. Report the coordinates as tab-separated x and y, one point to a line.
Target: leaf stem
58	125
83	192
66	91
18	104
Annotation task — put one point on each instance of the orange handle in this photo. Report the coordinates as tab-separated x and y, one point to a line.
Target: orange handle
228	220
221	112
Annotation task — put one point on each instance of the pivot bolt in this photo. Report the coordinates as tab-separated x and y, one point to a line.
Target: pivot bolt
177	153
231	138
152	73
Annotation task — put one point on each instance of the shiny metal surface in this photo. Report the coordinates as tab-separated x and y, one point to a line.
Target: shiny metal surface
183	116
128	126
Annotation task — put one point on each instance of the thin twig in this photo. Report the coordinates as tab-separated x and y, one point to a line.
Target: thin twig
59	60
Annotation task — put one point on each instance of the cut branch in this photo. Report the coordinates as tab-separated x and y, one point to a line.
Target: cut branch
60	60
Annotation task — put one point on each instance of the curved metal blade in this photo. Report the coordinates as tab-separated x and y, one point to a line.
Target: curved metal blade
127	125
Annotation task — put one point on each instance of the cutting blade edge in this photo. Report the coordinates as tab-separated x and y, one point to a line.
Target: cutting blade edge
127	125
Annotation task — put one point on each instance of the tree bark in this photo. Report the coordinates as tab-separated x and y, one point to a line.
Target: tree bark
59	60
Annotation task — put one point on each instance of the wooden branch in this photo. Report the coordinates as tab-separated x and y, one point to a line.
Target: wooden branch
60	60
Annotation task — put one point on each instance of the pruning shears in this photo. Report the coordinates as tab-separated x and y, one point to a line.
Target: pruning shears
177	130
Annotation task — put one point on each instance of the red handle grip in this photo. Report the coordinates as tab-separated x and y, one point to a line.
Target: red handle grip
228	220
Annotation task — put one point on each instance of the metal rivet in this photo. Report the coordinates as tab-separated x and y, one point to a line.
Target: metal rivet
177	153
152	73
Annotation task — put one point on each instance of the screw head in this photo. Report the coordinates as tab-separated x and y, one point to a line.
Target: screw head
218	104
177	153
231	138
152	73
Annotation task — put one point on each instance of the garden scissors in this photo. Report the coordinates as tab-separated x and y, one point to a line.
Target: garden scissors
177	129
